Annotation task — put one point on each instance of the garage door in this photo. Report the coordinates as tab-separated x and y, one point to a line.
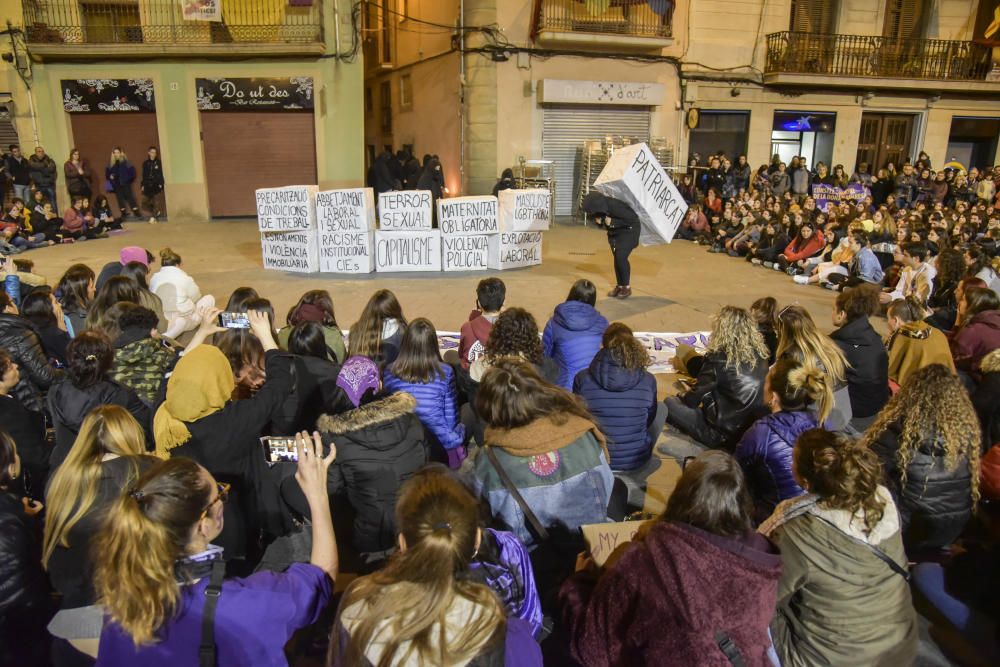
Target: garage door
566	128
95	134
247	150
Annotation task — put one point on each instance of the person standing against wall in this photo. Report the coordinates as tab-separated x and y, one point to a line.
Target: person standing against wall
152	184
78	176
18	173
43	174
120	174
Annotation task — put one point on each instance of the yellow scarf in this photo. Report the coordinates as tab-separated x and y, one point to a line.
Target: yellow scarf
202	383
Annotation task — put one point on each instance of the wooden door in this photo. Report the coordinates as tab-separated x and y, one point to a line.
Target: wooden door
884	138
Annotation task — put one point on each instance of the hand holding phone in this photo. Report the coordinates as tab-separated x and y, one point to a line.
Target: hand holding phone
279	449
234	321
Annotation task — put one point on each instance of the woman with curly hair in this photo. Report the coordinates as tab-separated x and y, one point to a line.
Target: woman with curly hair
729	392
843	597
514	334
950	265
928	439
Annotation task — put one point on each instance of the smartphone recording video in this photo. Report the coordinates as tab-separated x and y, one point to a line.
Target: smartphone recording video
279	449
234	321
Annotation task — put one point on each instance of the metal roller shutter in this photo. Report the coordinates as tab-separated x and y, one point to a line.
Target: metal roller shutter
565	128
247	150
96	134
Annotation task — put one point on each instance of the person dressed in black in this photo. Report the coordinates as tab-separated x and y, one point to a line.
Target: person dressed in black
623	228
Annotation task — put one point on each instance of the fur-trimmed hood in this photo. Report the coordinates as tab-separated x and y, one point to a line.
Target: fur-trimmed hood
378	412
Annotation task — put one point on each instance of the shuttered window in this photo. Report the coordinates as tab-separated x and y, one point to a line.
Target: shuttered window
904	19
815	16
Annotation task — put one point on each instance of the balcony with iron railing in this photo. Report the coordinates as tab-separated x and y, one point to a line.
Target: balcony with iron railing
635	25
873	61
83	28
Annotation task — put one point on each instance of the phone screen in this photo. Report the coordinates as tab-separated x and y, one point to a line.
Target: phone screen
278	449
234	321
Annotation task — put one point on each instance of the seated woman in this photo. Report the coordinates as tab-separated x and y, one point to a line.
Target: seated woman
89	359
572	335
107	458
315	390
800	399
807	243
26	427
41	309
548	446
142	361
928	439
666	593
424	607
115	290
842	551
379	331
316	306
727	395
156	546
978	330
863	349
913	343
420	372
76	290
183	303
943	302
621	395
20	339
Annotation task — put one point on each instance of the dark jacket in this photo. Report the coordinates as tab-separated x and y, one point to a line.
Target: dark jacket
69	405
43	171
765	454
624	226
54	342
20	338
314	392
506	182
986	398
934	503
27	428
432	178
868	366
121	173
23	589
972	342
669	596
572	337
623	401
730	397
77	184
17	170
152	177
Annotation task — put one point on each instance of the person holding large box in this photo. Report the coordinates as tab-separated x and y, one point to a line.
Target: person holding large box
623	226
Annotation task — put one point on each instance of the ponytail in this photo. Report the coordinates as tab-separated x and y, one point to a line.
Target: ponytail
145	532
801	385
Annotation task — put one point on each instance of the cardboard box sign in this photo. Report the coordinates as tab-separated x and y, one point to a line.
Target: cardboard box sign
290	251
405	210
346	252
345	210
468	215
465	253
513	250
603	538
286	209
525	210
408	251
633	176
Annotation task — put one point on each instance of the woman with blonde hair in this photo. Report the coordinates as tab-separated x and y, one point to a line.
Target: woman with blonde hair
801	340
928	438
162	582
119	175
913	343
107	457
423	608
378	333
728	393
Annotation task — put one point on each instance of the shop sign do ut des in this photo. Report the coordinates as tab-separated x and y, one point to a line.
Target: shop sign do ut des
255	94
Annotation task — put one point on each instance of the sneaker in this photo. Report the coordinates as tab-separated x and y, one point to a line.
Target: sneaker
625	292
830	286
615	292
792	271
777	267
800	280
67	240
756	261
768	265
152	220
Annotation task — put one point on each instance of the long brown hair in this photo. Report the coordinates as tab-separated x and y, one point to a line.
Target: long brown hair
419	358
118	288
365	337
408	601
513	394
624	347
799	386
799	339
316	297
72	288
712	495
146	531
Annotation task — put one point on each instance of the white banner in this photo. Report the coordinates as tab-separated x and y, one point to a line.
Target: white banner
201	10
286	209
525	210
465	253
468	215
404	210
290	251
408	251
346	252
513	250
346	210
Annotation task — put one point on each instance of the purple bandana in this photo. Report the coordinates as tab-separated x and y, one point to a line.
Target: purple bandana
358	375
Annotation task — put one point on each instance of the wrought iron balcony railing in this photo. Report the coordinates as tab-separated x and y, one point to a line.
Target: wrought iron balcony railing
163	22
635	18
875	56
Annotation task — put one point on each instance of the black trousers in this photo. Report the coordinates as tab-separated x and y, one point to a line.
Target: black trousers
622	245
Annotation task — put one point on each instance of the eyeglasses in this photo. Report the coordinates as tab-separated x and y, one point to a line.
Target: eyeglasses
223	496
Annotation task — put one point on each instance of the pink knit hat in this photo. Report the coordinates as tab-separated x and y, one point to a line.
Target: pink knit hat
133	253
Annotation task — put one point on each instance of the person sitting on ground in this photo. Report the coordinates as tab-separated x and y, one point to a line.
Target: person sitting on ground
420	372
156	546
864	351
621	395
490	296
807	242
864	268
913	343
842	550
378	333
126	255
183	303
142	361
986	399
765	311
978	332
727	395
917	277
772	243
666	593
78	224
837	262
21	341
442	615
41	309
573	334
316	306
26	427
943	302
800	399
928	439
138	272
76	290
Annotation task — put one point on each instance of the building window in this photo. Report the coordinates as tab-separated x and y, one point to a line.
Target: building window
385	105
807	134
720	131
815	16
905	19
405	92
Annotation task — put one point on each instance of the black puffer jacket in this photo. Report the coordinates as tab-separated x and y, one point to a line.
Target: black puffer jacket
70	405
868	370
934	503
20	338
23	591
730	397
314	392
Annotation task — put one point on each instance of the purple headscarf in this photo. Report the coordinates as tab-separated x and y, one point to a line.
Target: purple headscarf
358	375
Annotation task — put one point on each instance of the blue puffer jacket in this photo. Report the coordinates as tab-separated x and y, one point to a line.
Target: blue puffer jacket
436	404
624	403
572	337
765	454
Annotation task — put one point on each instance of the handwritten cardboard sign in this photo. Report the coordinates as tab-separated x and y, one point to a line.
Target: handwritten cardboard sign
286	209
603	538
525	210
465	253
513	250
404	210
346	252
290	251
408	251
633	176
468	215
345	210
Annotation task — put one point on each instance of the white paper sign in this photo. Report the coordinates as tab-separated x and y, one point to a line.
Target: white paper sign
201	10
524	210
290	251
465	253
286	209
408	251
468	215
346	252
511	250
633	176
345	210
404	210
